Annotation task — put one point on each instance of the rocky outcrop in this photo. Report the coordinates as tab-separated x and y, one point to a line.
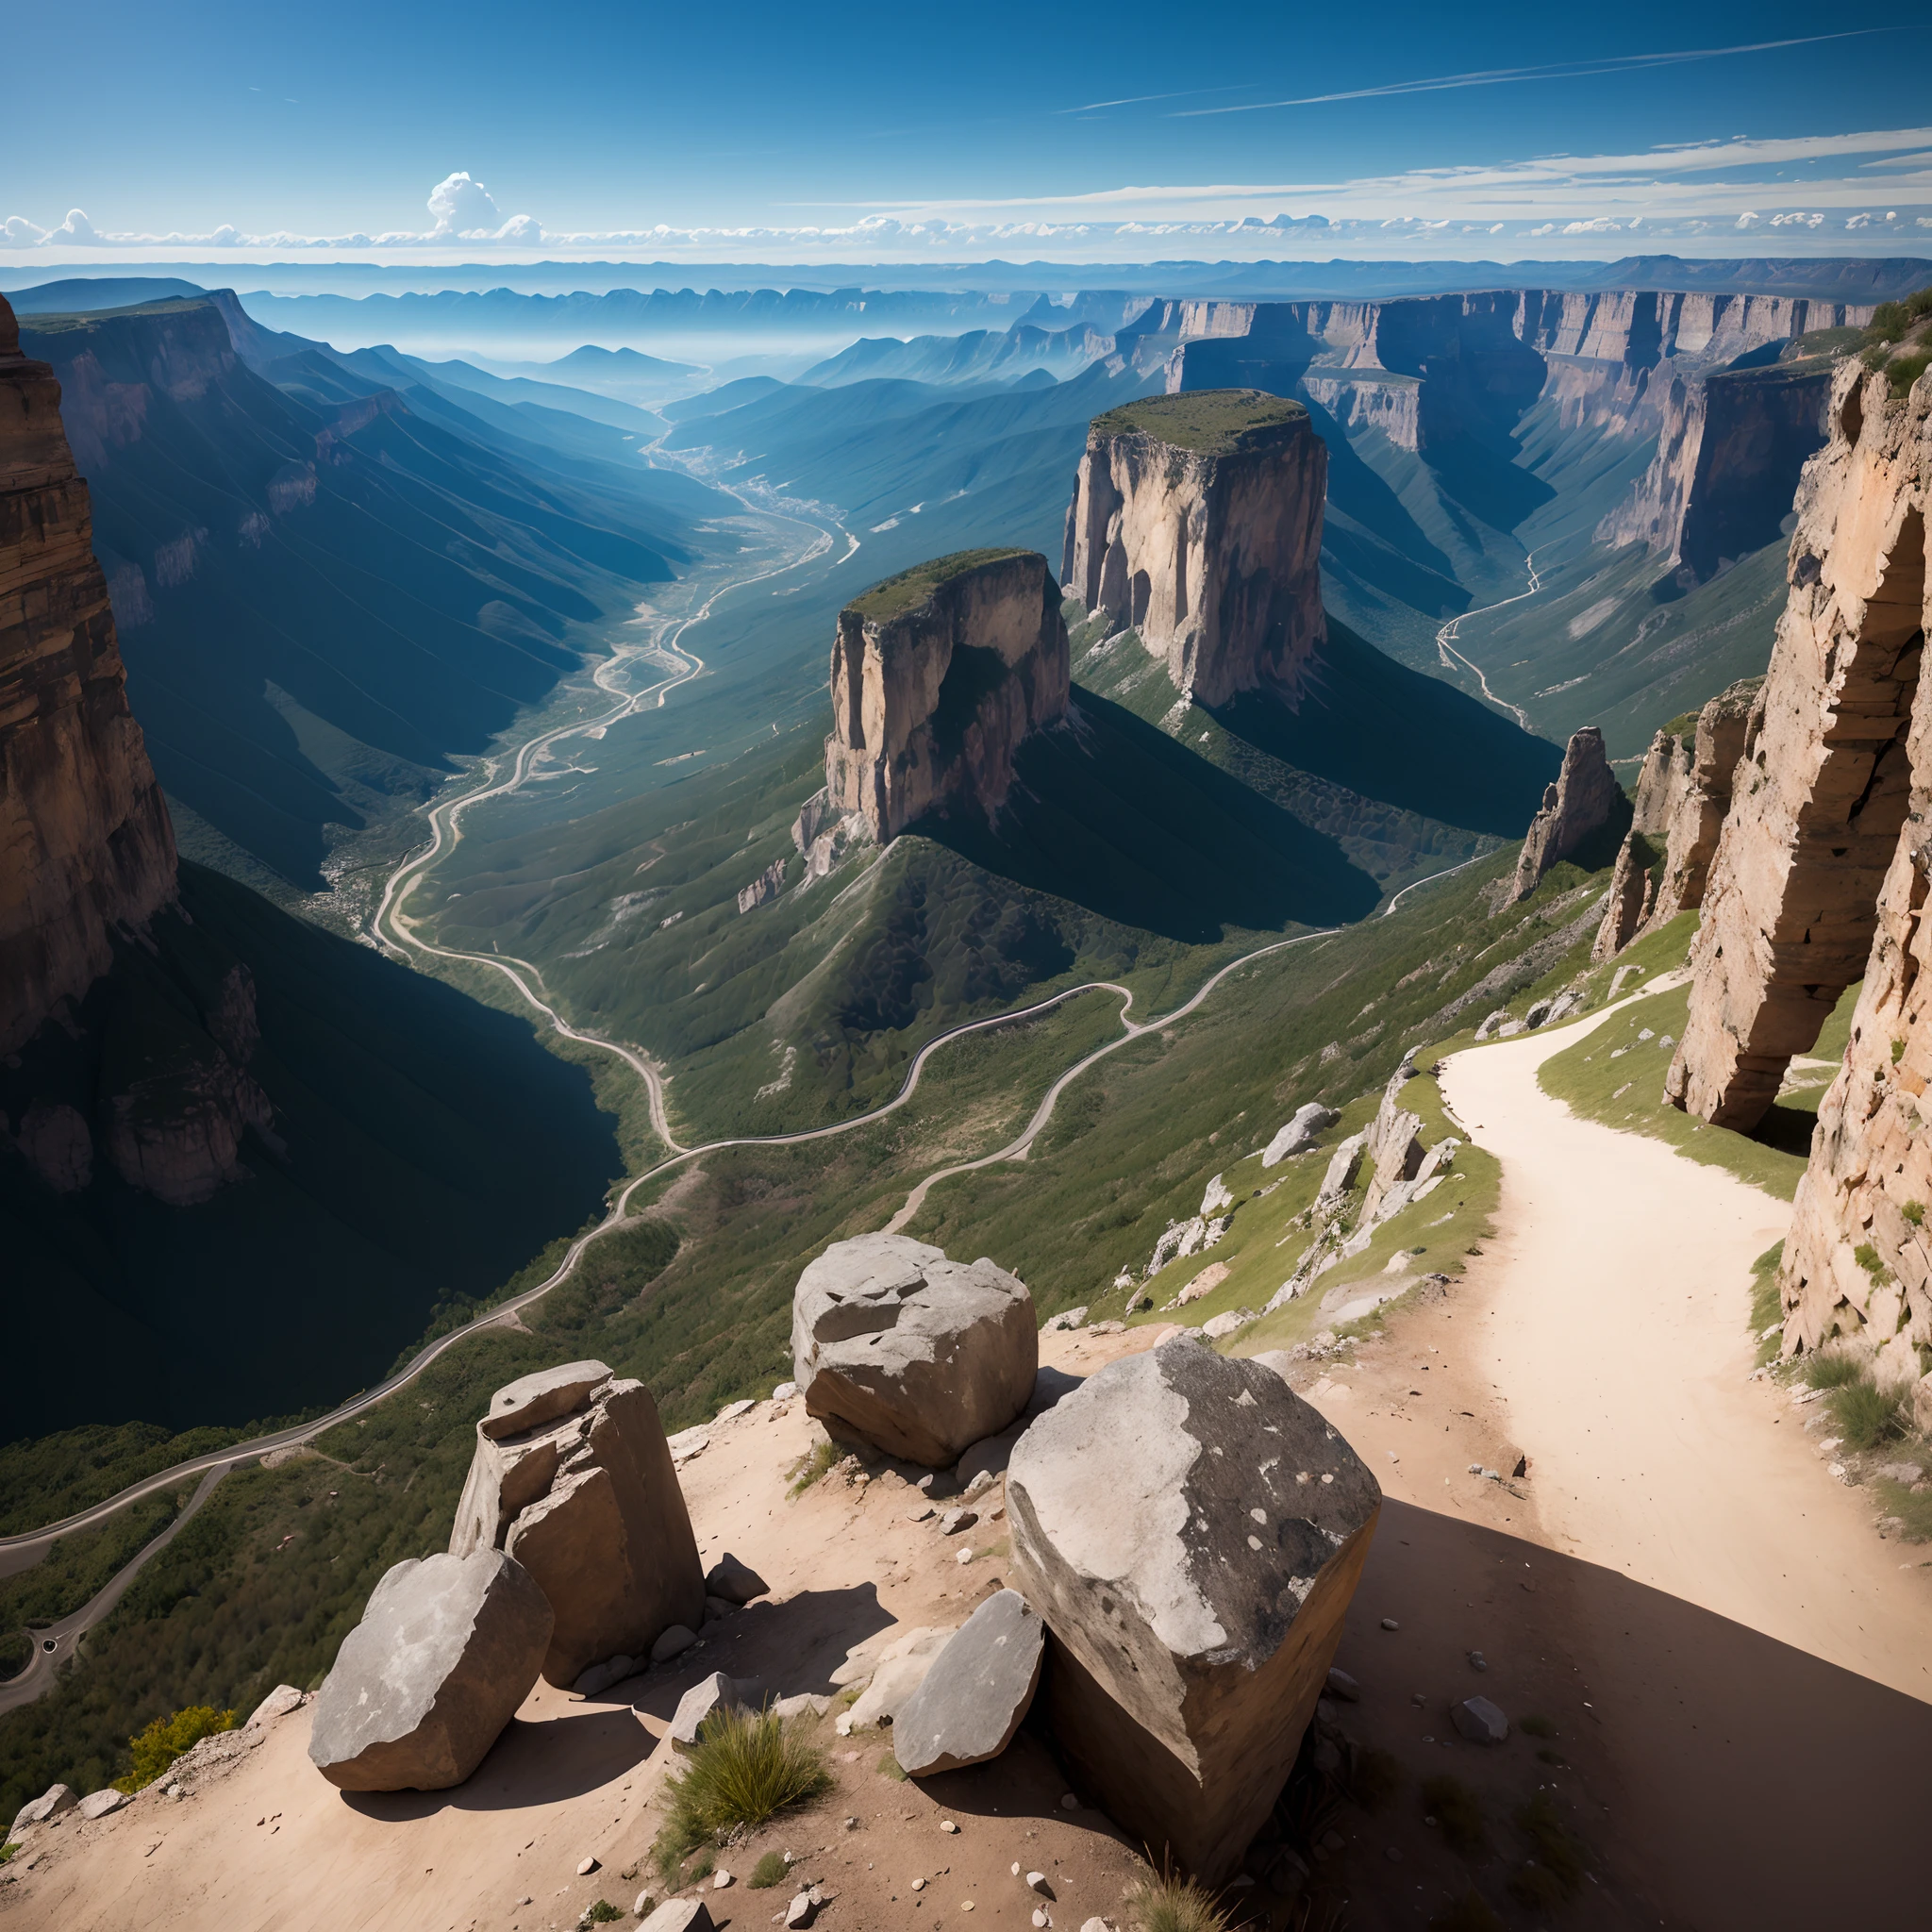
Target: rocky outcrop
977	1692
938	675
1585	801
898	1348
86	849
1821	879
446	1649
1310	1122
1807	868
572	1476
1730	449
1683	793
1193	1588
1197	520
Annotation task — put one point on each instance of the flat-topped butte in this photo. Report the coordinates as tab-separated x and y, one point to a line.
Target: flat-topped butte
912	588
1214	421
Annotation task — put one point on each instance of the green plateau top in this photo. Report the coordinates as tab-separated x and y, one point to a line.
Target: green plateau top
914	587
94	318
1215	422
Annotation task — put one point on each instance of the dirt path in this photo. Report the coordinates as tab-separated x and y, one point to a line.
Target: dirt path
1615	1336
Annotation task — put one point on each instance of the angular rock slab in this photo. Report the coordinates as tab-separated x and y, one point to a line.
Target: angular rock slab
976	1692
901	1349
50	1804
422	1686
1191	1532
736	1582
679	1915
707	1696
573	1477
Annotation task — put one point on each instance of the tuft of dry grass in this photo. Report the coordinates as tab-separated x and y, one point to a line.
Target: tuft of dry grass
746	1768
1169	1903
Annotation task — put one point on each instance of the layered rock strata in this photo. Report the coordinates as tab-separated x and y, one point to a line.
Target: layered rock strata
1802	901
1193	1590
1807	871
1197	520
572	1476
1682	796
1584	801
86	848
422	1686
898	1348
938	675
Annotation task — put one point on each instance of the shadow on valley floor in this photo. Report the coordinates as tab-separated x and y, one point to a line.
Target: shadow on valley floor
1404	737
1112	813
1685	1746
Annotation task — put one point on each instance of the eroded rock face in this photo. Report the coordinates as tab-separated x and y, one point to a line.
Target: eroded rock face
938	676
1821	798
1193	1590
1839	764
1584	800
897	1347
1197	518
573	1477
422	1686
84	841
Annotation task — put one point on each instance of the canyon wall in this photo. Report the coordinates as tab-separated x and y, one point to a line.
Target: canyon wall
1197	518
1577	810
1827	790
1729	450
85	843
938	676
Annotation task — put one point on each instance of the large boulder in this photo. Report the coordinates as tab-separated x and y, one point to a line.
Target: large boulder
976	1692
900	1349
1309	1123
1191	1533
447	1648
573	1477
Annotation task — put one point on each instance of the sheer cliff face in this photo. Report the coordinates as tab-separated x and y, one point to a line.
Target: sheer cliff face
1580	806
1829	781
1207	541
1729	451
1484	359
85	843
938	677
1822	876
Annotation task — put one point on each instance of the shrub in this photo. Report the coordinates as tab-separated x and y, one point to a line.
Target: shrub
1890	320
1914	1211
768	1872
8	1850
1865	1416
1900	374
1829	1371
603	1914
165	1739
1172	1904
746	1768
1558	1855
1458	1811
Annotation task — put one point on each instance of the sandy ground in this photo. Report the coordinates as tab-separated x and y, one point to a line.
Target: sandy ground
1725	1657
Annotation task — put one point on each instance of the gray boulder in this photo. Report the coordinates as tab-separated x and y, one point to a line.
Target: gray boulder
50	1804
99	1804
446	1650
708	1694
898	1348
1300	1134
1480	1721
977	1691
736	1582
1193	1588
679	1915
573	1477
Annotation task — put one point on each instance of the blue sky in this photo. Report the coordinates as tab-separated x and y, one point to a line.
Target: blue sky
1136	131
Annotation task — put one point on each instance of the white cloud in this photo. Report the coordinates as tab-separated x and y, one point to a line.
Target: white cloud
1749	219
462	207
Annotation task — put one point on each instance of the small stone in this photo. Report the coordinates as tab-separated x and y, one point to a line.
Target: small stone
1036	1881
946	1824
1394	1854
801	1911
1040	1917
585	1866
919	1885
924	1515
965	1556
736	1582
965	1905
1069	1803
1477	1661
784	1391
1390	1623
806	1704
720	1879
278	1702
674	1643
1481	1722
1344	1687
954	1521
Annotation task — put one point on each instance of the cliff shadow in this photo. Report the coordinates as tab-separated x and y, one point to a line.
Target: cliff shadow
1403	737
1112	813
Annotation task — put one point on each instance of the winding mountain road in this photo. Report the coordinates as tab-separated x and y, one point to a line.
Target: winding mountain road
1451	632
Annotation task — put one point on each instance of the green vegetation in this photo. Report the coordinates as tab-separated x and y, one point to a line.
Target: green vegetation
1536	1726
1168	1902
1613	1077
603	1914
156	1748
47	1478
1558	1856
746	1767
1830	1370
1865	1415
811	1467
1767	1305
769	1870
1458	1811
889	1766
914	587
78	1566
1894	323
1214	421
